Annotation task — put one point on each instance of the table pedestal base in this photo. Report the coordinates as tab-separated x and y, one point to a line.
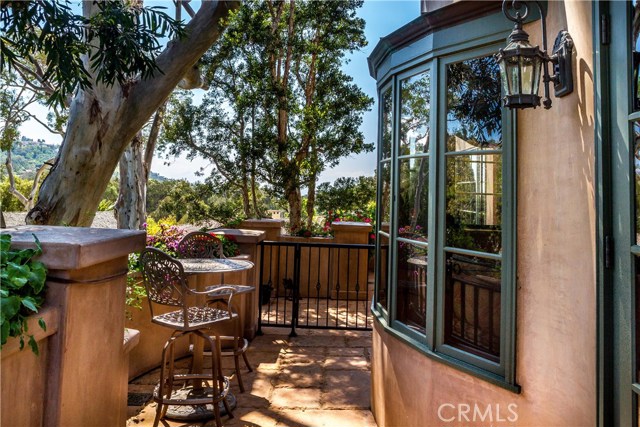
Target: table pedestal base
197	412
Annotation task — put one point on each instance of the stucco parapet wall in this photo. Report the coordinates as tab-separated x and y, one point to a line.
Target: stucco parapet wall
241	235
73	248
264	223
364	227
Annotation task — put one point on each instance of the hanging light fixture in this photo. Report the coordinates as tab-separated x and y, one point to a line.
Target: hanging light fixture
522	64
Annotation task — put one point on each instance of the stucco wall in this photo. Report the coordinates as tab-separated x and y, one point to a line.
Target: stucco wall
556	315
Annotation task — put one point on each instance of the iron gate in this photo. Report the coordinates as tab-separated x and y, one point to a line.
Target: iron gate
316	285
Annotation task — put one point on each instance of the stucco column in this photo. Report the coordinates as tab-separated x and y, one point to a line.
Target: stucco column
272	227
248	242
87	360
351	267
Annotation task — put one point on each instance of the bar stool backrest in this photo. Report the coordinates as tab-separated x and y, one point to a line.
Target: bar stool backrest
198	244
164	279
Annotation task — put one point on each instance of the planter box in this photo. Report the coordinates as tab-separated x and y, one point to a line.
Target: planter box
24	375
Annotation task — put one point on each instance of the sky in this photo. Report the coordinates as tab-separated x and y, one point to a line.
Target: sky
381	16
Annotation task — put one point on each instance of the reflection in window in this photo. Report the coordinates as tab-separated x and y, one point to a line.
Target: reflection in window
472	305
473	105
383	272
636	167
474	202
635	45
387	124
412	200
637	316
385	194
411	290
415	101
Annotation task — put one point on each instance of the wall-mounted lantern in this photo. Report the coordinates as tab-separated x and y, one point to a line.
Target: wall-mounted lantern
521	63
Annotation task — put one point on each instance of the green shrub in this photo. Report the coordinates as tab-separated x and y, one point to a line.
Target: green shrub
22	286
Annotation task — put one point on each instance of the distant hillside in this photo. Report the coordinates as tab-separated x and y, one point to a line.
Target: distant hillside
158	177
28	155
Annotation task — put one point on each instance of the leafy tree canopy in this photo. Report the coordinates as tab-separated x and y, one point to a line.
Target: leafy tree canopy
121	40
346	194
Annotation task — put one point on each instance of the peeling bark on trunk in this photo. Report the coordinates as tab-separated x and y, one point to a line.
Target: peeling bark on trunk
130	207
103	120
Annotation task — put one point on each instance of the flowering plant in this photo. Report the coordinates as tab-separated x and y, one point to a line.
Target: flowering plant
355	216
164	235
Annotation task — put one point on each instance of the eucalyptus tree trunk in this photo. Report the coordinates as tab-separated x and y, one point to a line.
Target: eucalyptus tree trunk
135	167
130	207
104	119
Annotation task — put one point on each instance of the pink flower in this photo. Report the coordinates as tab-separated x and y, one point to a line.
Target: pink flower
367	220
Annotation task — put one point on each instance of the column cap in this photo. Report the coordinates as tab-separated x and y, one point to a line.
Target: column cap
72	248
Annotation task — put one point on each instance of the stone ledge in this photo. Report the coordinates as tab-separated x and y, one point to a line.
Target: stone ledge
242	236
72	248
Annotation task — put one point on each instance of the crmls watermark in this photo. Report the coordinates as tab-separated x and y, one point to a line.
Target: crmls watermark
491	414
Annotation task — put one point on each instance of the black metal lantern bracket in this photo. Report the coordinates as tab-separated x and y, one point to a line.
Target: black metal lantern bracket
560	58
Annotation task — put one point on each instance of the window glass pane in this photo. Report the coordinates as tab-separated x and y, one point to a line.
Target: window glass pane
411	291
472	305
387	123
636	166
635	46
474	202
474	119
383	272
637	316
415	94
385	193
412	198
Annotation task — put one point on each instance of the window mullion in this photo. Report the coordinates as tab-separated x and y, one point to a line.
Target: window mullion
432	213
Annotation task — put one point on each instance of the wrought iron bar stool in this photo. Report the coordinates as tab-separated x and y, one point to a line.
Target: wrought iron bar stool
204	245
165	283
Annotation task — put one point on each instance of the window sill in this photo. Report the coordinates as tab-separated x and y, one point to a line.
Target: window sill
447	360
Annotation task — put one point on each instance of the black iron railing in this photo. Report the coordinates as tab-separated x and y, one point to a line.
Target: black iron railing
472	299
316	285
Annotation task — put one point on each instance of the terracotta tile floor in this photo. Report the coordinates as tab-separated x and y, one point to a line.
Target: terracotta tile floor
318	379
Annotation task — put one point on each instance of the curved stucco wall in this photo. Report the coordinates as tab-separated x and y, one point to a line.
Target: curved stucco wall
556	314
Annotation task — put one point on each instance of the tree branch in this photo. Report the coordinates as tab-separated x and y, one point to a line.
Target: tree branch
12	183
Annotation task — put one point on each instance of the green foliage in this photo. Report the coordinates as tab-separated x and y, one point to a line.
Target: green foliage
22	286
8	201
186	201
346	194
110	196
27	156
125	36
279	119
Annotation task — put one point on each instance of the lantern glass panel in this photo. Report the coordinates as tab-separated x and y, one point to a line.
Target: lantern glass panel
537	67
527	64
513	70
503	78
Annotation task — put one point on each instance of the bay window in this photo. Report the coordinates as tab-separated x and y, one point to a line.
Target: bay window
446	212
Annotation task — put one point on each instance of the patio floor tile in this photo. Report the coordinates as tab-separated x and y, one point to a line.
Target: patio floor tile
296	398
320	378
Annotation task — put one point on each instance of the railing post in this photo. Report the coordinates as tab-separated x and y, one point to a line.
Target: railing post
260	290
296	290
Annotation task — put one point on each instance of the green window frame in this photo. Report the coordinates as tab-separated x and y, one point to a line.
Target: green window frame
430	338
